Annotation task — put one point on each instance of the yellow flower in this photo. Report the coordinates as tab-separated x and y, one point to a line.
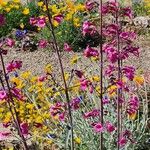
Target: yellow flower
26	11
25	75
40	4
138	80
80	7
76	22
132	116
3	4
55	23
77	140
96	78
44	8
19	83
16	1
16	6
7	9
74	60
22	26
48	69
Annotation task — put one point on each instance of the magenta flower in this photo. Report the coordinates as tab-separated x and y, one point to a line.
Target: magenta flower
110	7
128	36
2	20
133	105
42	78
127	11
67	47
75	103
3	95
10	42
122	141
93	113
78	73
89	5
90	52
4	135
88	28
109	70
129	72
24	128
17	93
33	21
131	49
62	116
43	43
58	18
13	65
98	127
41	22
110	127
111	30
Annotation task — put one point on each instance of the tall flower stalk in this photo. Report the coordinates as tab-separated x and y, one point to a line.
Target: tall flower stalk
119	91
57	50
10	102
101	74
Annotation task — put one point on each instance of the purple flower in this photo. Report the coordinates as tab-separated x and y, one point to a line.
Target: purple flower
58	18
89	52
88	28
93	113
24	128
127	11
110	127
133	105
129	72
67	47
3	95
122	141
98	127
43	43
89	5
75	103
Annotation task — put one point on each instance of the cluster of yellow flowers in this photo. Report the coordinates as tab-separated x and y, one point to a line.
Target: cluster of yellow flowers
147	5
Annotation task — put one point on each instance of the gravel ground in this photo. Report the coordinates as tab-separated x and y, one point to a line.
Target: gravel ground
35	61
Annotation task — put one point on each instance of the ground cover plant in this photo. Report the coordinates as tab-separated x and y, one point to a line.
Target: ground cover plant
103	104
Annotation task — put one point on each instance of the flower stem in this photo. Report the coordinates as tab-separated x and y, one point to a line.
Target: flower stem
57	50
101	75
14	115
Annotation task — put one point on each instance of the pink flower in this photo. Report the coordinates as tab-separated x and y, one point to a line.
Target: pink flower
89	5
3	95
88	28
129	72
4	135
98	127
33	21
111	30
17	93
24	128
78	73
133	105
128	36
13	65
58	18
93	113
84	83
75	103
110	7
67	47
89	52
110	127
42	78
122	141
43	43
10	42
41	22
62	116
127	11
